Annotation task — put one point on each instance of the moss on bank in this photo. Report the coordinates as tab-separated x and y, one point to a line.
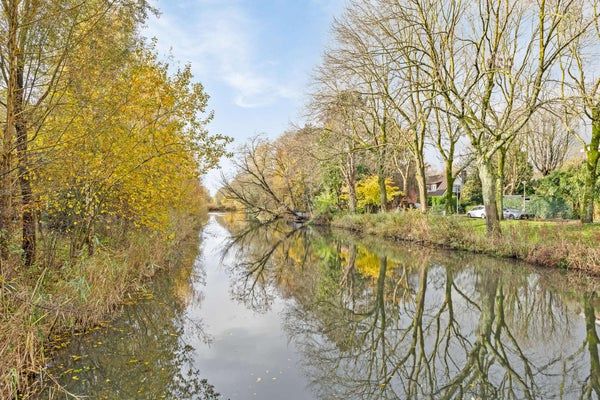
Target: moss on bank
57	296
566	245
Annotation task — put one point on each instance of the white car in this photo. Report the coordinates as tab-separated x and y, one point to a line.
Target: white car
476	212
507	213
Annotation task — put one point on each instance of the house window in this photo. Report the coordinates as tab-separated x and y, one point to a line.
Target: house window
433	187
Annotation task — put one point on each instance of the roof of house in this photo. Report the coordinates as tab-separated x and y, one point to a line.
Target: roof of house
440	184
437	178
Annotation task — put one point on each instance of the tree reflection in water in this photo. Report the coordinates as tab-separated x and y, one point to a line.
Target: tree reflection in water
144	354
377	321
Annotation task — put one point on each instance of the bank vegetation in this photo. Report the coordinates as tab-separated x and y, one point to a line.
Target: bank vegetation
562	245
101	153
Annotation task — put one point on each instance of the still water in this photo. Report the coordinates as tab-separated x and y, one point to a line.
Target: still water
273	312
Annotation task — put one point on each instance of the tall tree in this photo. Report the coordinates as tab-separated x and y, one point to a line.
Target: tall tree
366	72
40	38
338	110
408	87
446	135
547	141
581	91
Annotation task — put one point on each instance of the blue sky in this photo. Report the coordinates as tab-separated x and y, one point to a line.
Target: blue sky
254	57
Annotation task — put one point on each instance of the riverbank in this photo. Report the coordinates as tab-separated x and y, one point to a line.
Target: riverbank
40	308
565	245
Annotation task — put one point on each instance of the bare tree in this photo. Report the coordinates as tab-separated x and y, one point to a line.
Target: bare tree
272	178
399	82
490	61
338	111
581	91
446	134
402	161
365	71
547	141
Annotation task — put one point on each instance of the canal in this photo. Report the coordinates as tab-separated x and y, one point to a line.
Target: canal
275	312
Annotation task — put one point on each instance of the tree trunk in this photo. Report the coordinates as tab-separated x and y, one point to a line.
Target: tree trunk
28	213
6	165
382	190
6	190
591	164
350	175
500	182
89	241
421	184
404	173
449	195
488	189
351	195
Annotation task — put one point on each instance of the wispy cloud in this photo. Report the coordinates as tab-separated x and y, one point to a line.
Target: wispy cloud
221	41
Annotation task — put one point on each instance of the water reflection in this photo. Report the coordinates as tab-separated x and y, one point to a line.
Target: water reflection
381	322
272	312
144	354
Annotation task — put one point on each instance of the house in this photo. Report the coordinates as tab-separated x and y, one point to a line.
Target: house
436	184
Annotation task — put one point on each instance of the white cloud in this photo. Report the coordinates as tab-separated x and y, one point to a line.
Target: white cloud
221	42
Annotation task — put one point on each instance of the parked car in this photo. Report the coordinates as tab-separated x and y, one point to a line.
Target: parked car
514	213
507	213
476	212
511	213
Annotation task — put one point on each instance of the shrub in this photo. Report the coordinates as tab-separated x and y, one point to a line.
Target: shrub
325	203
549	207
438	203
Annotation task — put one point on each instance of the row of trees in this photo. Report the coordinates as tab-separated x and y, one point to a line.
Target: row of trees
302	171
96	130
478	82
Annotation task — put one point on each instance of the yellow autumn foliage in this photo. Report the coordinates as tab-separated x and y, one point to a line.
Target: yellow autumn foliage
131	148
367	191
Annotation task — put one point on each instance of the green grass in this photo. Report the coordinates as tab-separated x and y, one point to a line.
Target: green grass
574	230
567	245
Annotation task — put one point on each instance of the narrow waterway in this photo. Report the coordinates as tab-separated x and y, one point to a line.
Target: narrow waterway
274	312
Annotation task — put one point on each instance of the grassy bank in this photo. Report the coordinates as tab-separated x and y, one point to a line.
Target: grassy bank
59	296
566	245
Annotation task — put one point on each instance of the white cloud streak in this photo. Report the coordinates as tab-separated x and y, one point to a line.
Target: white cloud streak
221	42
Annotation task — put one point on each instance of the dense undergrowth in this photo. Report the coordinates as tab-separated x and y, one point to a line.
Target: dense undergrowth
565	245
57	296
